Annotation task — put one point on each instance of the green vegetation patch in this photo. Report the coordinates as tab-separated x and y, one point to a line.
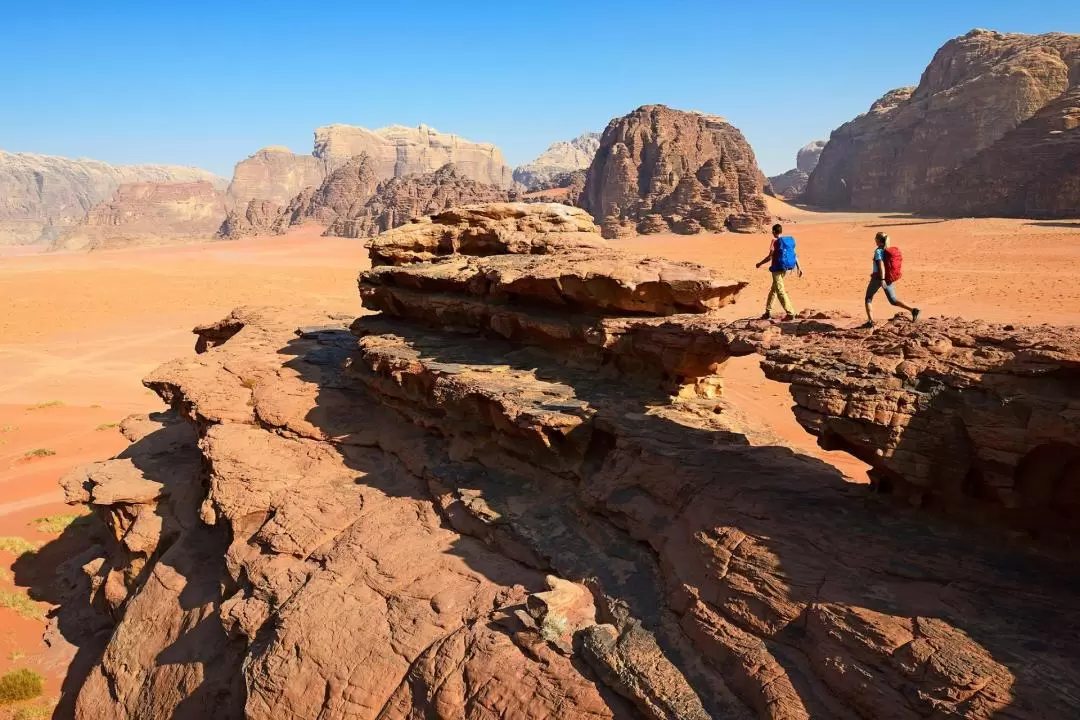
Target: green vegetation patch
17	545
34	712
19	685
14	600
39	453
42	406
107	426
54	523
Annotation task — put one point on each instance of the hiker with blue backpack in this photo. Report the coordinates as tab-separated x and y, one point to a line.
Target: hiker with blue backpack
888	264
782	259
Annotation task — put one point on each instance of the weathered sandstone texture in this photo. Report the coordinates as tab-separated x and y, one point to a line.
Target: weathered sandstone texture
149	214
561	159
275	174
397	201
792	183
451	516
965	416
397	151
256	218
344	189
42	195
664	170
976	136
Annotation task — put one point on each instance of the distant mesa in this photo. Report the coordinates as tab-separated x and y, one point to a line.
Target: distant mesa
148	213
662	170
791	184
555	165
43	195
278	175
993	128
350	202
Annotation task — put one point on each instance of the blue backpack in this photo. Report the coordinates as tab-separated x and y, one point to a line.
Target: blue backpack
785	254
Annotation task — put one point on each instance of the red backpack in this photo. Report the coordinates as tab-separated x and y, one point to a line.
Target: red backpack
894	263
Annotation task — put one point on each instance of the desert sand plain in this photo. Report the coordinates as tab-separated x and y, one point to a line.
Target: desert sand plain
78	331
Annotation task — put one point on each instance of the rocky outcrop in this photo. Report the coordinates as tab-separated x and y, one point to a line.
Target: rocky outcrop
448	515
792	183
967	416
397	151
939	146
558	161
258	217
399	200
149	214
1033	171
345	189
275	174
683	172
43	195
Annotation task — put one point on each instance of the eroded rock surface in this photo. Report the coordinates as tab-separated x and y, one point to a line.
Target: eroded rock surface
963	415
397	201
275	174
561	159
428	515
43	195
975	136
149	214
684	171
397	151
792	183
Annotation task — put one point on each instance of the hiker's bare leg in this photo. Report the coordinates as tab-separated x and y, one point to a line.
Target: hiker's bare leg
869	313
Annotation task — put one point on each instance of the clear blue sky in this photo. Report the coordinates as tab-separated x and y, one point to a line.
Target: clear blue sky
208	83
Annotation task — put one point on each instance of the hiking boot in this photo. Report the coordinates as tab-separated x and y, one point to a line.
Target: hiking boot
915	312
766	316
788	318
868	325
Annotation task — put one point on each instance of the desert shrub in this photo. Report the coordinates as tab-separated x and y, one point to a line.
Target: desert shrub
19	685
14	600
54	523
47	404
17	545
38	453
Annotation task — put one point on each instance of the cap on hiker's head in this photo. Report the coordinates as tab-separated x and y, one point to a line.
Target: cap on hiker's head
881	237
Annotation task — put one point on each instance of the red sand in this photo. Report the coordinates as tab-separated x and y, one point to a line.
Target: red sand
82	329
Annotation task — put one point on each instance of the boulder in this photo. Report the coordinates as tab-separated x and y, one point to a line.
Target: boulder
696	171
971	137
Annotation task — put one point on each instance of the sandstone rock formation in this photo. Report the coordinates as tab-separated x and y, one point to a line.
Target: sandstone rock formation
344	189
1033	171
485	503
397	151
396	201
275	174
258	217
42	195
149	214
792	183
977	111
965	416
664	170
561	159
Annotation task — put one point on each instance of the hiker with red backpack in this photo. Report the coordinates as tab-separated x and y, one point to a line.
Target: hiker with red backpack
888	264
783	260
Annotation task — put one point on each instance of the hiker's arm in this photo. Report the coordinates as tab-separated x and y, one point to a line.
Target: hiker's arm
798	267
880	264
772	250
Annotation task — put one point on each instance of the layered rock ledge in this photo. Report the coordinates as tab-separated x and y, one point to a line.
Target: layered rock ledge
413	515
